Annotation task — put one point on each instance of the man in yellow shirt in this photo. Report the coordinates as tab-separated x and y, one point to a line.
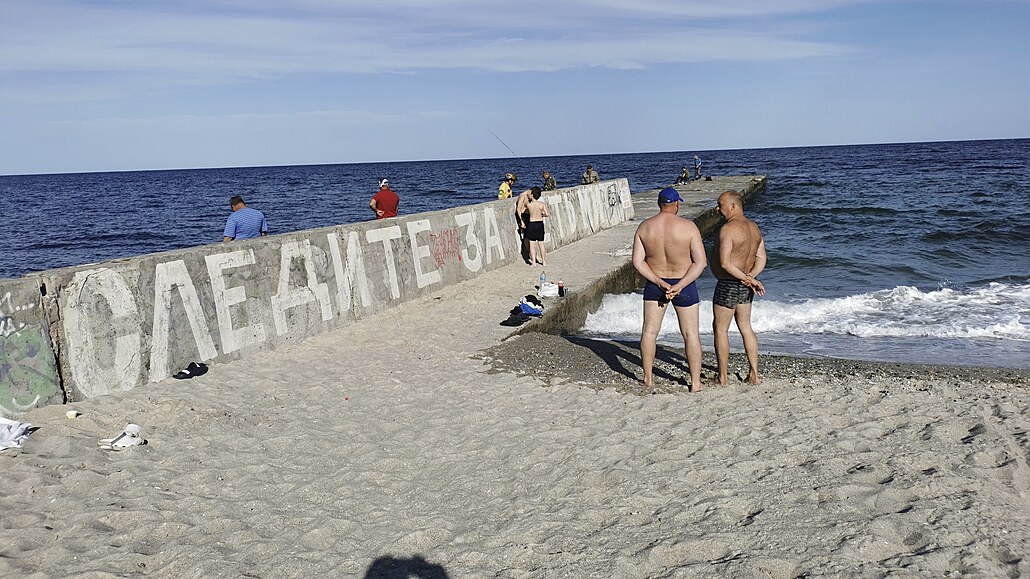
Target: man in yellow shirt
504	190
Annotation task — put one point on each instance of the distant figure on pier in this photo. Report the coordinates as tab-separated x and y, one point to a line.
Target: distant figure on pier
550	183
684	176
697	167
385	202
669	253
243	222
589	176
504	189
537	210
737	259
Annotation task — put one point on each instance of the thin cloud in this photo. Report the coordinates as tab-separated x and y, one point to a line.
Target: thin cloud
234	40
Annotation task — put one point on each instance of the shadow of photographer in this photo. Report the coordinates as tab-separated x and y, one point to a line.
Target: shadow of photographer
416	567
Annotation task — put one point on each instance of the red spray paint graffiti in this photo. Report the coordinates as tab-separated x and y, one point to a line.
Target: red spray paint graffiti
445	245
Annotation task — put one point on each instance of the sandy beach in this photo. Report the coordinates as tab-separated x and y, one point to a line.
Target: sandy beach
421	440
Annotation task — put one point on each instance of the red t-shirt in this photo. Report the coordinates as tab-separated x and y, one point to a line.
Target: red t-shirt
386	201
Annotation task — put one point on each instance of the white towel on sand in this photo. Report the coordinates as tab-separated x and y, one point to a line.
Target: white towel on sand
13	433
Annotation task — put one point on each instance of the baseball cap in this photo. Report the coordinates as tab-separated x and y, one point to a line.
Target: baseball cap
669	195
384	183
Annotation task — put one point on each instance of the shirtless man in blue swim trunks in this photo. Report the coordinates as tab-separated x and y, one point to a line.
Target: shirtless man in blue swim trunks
669	253
737	259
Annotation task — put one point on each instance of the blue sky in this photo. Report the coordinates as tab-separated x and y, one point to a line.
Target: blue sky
95	85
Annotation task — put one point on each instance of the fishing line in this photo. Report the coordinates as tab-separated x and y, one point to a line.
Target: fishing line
503	143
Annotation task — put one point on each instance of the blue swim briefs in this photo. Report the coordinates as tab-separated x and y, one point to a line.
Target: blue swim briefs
686	298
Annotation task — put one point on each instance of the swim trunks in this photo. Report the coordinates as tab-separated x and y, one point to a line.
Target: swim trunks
535	231
686	298
730	293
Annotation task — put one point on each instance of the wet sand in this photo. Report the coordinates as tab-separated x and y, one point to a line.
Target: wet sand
602	364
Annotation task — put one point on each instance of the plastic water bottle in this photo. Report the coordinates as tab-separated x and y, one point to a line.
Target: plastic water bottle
543	279
561	289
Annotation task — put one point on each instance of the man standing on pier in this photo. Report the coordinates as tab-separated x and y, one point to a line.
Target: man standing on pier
550	183
589	176
385	202
737	259
522	218
669	253
504	189
243	222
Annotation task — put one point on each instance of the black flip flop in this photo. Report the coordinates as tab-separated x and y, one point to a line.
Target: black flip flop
194	369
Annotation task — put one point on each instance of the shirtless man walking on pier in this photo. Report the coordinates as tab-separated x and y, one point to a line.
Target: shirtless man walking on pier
669	253
737	259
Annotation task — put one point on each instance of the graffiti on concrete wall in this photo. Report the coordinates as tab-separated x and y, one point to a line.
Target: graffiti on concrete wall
445	246
245	296
28	370
8	325
117	340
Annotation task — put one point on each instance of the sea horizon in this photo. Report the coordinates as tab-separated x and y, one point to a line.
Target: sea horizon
505	157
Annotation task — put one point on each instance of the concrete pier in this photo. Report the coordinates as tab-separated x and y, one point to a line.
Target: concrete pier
80	332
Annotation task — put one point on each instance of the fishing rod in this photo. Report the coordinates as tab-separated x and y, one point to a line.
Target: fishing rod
503	143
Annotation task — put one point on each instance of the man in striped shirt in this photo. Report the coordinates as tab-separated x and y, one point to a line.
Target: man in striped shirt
244	222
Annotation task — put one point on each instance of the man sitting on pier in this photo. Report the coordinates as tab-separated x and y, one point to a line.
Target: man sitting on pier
669	253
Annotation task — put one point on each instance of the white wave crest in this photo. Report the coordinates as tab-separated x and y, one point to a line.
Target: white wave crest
996	310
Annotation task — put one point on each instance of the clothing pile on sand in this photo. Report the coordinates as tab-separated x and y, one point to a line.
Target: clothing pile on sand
529	307
13	433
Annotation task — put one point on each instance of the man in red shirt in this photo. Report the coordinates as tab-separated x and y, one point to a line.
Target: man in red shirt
385	202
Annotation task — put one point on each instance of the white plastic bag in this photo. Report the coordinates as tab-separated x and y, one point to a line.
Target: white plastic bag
548	290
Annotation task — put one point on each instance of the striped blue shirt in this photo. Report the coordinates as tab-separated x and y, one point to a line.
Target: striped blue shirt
245	224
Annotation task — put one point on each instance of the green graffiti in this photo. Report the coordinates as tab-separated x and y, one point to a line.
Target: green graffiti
28	371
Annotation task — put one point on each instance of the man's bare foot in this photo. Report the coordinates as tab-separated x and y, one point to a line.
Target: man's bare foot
698	388
753	378
722	380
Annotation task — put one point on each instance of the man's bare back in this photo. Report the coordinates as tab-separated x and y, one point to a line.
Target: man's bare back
741	239
666	240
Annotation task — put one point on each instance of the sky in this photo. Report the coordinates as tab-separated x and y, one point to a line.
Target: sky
108	85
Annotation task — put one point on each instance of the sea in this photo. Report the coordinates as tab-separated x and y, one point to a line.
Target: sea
916	252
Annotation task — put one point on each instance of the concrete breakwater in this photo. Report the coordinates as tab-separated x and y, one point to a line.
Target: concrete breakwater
78	332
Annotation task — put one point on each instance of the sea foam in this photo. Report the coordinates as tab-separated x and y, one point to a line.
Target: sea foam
996	310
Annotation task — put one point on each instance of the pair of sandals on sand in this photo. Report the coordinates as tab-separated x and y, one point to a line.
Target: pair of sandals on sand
132	434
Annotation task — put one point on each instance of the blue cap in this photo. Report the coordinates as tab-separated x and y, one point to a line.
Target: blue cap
669	195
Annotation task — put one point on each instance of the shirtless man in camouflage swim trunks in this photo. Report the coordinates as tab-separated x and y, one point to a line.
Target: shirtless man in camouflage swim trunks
737	259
